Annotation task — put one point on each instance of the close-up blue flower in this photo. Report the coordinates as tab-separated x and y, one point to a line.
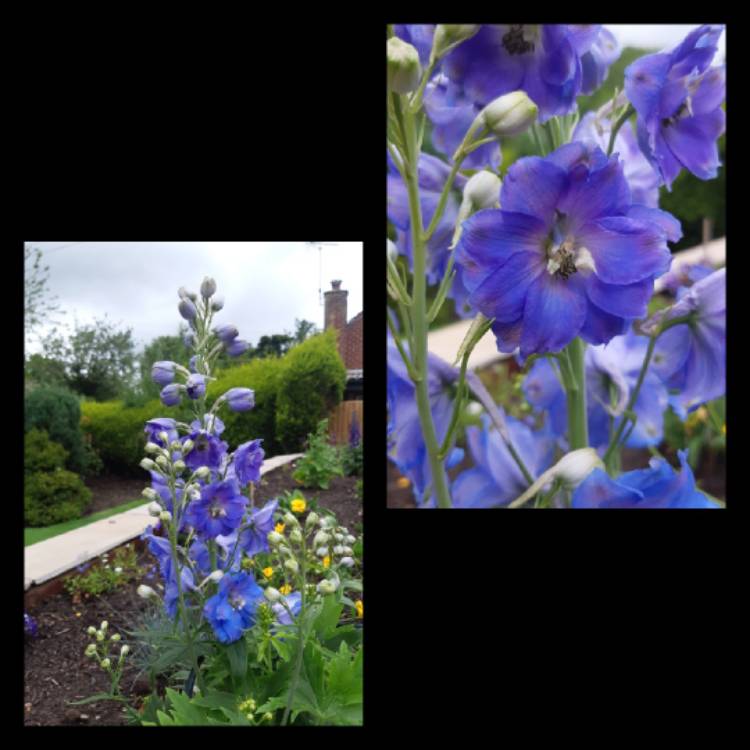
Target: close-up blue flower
294	602
656	487
260	523
495	479
218	511
163	372
677	97
158	425
196	385
567	255
248	458
232	609
691	357
236	347
171	395
171	592
208	450
227	332
240	399
211	424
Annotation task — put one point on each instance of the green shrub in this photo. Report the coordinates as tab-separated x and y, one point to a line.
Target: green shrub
312	383
321	462
41	454
351	460
263	376
54	497
58	412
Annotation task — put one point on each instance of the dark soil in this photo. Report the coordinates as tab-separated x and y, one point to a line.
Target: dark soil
108	491
55	668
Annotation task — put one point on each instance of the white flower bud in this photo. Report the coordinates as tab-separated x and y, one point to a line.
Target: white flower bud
349	539
154	509
272	594
575	466
124	650
291	565
321	551
296	536
391	249
104	626
176	445
147	464
312	519
327	522
202	472
179	466
187	446
284	550
145	591
91	630
165	516
90	650
448	35
326	587
162	461
105	663
320	538
99	635
481	191
338	537
164	437
208	287
194	494
152	448
275	538
216	576
338	550
118	570
115	637
217	303
290	520
149	493
404	70
348	561
509	114
347	551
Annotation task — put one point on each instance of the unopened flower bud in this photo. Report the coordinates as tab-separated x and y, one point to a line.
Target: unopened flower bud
448	35
202	472
124	650
162	461
290	519
338	537
404	70
176	446
338	550
575	466
149	493
291	565
106	663
179	466
272	594
320	538
90	650
115	637
208	287
217	303
312	518
91	630
321	551
347	550
509	114
145	591
391	249
151	447
187	309
99	635
216	576
187	446
296	536
147	464
268	716
285	551
165	516
347	561
481	191
118	570
275	538
154	509
349	539
104	626
326	586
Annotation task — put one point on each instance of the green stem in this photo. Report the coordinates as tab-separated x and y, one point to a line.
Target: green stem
577	416
616	127
416	100
457	404
300	631
444	197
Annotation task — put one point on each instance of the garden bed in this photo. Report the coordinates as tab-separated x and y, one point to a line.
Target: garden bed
55	668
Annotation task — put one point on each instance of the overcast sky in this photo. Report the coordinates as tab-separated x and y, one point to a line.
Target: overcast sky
658	36
265	285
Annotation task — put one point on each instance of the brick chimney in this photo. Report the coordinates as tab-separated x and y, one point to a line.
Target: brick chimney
335	307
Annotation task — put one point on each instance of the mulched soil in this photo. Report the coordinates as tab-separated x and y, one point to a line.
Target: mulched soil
55	668
108	491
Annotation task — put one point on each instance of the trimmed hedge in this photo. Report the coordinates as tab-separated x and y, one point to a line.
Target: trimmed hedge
54	497
58	412
41	454
292	394
311	384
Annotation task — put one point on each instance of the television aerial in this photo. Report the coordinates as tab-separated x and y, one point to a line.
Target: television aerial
319	245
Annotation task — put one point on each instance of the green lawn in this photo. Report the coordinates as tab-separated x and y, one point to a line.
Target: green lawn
32	536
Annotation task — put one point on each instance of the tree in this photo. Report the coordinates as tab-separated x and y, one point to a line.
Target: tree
171	348
40	370
37	304
99	359
303	329
274	346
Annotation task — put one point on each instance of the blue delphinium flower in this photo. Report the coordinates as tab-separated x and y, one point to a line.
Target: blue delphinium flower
196	385
187	309
294	602
355	436
656	487
29	625
260	523
193	363
236	347
232	609
161	424
211	424
553	63
452	113
207	450
678	280
432	174
406	447
691	357
227	333
247	460
171	395
218	511
678	98
240	399
495	480
567	255
419	36
642	179
171	593
163	372
160	548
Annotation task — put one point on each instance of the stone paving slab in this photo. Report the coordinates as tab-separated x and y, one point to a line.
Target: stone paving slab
52	557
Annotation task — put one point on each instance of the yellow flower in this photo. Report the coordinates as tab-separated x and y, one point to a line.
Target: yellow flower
358	604
268	572
327	561
723	429
403	482
279	528
286	589
298	506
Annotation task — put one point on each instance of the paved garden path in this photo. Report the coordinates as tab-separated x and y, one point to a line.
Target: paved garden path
52	557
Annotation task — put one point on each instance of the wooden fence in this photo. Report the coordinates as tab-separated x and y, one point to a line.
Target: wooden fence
339	422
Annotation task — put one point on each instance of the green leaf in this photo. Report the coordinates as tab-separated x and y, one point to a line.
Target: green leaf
282	649
237	654
326	621
94	699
